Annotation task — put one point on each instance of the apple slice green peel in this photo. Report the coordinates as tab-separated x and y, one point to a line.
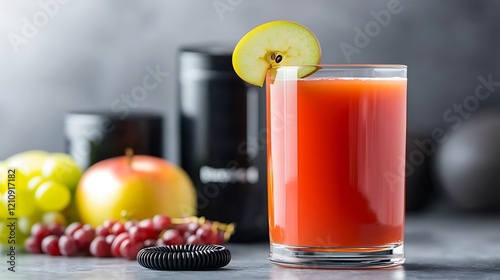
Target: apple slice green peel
281	42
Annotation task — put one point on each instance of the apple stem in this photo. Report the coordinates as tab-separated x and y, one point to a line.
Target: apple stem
125	215
129	152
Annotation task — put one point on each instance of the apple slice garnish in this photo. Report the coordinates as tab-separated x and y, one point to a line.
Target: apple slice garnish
275	43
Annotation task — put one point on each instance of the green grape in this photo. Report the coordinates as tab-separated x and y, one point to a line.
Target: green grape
61	168
25	223
34	183
3	208
16	196
29	162
23	202
4	233
52	196
13	178
3	177
3	188
54	217
20	239
8	237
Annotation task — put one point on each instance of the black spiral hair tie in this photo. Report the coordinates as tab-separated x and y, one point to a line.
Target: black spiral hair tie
184	257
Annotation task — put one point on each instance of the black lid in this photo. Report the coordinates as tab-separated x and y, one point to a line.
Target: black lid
216	57
96	117
92	136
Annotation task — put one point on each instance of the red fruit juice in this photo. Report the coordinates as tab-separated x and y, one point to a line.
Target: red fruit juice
336	161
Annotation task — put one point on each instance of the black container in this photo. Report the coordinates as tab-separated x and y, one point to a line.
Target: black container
223	141
95	136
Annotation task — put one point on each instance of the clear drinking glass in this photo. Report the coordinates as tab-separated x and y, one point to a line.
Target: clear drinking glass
336	153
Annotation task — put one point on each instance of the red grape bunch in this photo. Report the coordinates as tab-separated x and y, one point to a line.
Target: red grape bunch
124	239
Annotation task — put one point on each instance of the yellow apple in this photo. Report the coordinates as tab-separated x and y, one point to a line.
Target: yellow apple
138	186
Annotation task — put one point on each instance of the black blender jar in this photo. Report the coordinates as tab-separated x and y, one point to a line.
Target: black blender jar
223	140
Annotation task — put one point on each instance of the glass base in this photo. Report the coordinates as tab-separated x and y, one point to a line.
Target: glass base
335	257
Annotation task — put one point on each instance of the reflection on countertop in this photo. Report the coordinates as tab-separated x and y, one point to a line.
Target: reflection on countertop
437	247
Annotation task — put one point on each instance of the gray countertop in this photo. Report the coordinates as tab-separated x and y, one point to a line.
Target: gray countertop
436	248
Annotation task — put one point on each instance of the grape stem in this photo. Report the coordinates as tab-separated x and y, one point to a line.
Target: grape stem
227	228
129	152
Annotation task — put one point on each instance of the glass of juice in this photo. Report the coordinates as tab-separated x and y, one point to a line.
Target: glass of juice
336	153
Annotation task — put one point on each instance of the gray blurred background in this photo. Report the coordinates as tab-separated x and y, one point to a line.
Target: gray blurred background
58	56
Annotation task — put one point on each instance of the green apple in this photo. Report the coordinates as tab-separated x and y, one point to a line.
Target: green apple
275	43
